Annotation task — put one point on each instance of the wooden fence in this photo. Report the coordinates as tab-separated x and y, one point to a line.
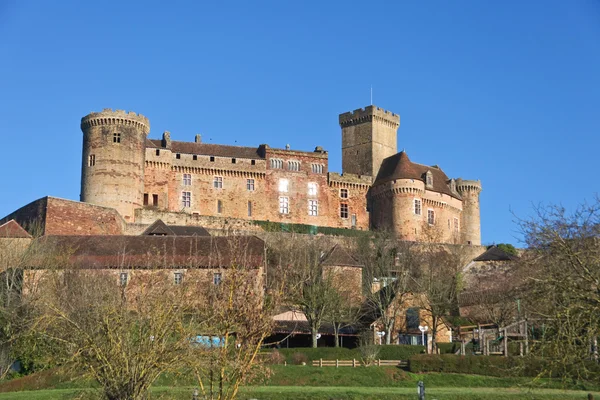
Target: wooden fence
357	363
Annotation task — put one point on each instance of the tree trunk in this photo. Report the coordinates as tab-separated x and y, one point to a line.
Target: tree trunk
314	337
336	334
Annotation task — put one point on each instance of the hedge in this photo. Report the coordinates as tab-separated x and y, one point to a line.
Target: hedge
477	365
271	226
386	352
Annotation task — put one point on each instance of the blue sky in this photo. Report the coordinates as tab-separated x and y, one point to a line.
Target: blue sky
503	91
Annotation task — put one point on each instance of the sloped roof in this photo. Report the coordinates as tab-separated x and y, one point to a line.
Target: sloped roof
218	150
159	228
12	229
399	166
119	251
495	253
338	256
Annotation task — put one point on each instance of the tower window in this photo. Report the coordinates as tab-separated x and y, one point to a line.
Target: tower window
177	278
312	189
155	200
123	278
284	205
217	278
418	206
250	185
116	138
219	206
233	160
186	199
431	217
249	208
344	193
145	199
218	182
92	160
284	185
253	162
313	208
178	156
344	210
212	159
158	152
194	157
187	179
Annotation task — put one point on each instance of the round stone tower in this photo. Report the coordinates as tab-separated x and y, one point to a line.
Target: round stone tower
112	172
471	220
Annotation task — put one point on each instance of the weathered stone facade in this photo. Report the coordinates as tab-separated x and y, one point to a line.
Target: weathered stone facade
122	169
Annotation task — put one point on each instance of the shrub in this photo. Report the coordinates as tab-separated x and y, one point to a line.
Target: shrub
276	357
299	359
399	351
369	353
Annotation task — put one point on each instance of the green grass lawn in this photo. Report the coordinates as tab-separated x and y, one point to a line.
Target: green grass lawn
328	383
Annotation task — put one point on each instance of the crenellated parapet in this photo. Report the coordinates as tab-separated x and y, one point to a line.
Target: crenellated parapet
468	185
116	117
348	180
370	114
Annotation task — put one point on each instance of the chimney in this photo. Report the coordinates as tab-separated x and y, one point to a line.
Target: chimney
198	138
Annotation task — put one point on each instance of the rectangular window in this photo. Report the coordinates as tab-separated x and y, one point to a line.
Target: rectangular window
217	278
294	165
218	182
284	205
194	157
344	210
123	278
253	162
417	207
155	200
249	208
344	193
145	199
178	278
186	199
233	160
317	168
212	159
456	226
283	185
116	138
412	318
178	156
431	217
187	179
250	185
92	160
276	163
158	152
219	206
312	189
313	208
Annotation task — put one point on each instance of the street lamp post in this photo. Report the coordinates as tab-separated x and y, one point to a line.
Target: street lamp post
423	329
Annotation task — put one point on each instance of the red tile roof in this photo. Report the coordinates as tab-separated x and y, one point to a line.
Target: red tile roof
117	251
399	166
12	229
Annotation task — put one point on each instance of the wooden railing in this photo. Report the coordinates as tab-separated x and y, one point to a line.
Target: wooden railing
357	363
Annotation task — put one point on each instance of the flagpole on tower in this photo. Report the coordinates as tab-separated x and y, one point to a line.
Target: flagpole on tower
371	94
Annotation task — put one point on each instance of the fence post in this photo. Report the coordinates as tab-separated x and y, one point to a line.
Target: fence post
462	347
379	362
353	363
505	343
320	362
337	363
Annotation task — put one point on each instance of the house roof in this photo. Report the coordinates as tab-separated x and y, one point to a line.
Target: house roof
159	228
338	256
12	229
495	253
399	166
119	251
218	150
302	327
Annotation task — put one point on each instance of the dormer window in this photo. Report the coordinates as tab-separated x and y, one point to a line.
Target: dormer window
429	179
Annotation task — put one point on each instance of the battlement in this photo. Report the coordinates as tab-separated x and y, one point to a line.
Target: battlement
367	114
117	117
468	185
350	178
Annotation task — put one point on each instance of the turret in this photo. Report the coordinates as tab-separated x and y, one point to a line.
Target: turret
368	136
112	173
471	220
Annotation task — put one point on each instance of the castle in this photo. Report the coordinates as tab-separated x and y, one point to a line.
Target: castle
378	188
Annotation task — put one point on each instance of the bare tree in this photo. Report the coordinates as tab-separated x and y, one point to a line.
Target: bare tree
563	258
389	267
344	309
